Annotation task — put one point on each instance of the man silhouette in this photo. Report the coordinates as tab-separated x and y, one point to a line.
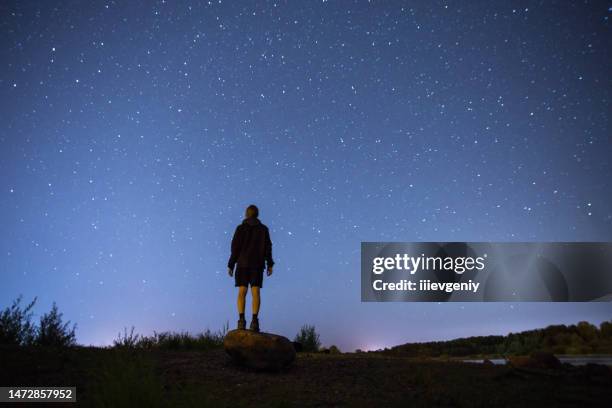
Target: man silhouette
251	248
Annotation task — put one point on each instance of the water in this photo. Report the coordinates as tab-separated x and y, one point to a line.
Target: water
573	360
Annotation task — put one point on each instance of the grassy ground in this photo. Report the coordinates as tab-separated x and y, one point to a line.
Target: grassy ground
156	378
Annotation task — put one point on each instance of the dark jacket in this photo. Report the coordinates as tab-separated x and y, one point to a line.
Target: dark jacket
251	245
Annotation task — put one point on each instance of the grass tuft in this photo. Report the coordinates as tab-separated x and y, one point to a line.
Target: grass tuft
205	340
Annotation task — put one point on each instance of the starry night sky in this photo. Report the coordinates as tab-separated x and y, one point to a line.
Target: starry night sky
134	134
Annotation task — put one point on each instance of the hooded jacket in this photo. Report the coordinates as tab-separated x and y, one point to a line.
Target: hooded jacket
251	245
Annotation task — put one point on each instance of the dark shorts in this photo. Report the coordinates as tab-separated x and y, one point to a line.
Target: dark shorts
246	276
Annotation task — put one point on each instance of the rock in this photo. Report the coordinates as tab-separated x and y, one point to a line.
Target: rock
488	363
297	346
519	361
262	351
538	359
543	359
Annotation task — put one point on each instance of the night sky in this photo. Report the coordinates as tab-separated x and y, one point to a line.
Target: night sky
134	134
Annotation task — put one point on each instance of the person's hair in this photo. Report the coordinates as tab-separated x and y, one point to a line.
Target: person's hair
252	211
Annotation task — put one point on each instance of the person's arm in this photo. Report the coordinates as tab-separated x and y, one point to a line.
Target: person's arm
268	253
235	250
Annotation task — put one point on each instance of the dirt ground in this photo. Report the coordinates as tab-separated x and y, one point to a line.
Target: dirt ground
208	378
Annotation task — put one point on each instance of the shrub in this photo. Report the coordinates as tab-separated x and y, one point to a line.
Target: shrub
16	327
334	350
308	338
126	340
53	332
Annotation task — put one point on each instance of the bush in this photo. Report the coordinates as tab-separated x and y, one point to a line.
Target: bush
16	327
308	338
53	332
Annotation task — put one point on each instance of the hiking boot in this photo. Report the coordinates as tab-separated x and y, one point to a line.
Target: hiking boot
241	324
254	325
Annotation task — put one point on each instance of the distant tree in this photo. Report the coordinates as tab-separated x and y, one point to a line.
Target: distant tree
575	345
53	332
514	344
308	338
587	331
605	329
16	327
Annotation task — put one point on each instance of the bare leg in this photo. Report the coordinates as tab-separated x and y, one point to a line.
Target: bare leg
256	299
242	292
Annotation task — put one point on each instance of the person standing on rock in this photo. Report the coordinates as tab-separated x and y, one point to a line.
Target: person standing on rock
251	252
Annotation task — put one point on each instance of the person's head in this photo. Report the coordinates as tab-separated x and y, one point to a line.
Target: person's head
252	211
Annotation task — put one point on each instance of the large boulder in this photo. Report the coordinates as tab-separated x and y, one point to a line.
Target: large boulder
262	351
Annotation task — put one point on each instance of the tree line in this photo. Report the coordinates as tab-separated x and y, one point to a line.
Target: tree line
581	338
